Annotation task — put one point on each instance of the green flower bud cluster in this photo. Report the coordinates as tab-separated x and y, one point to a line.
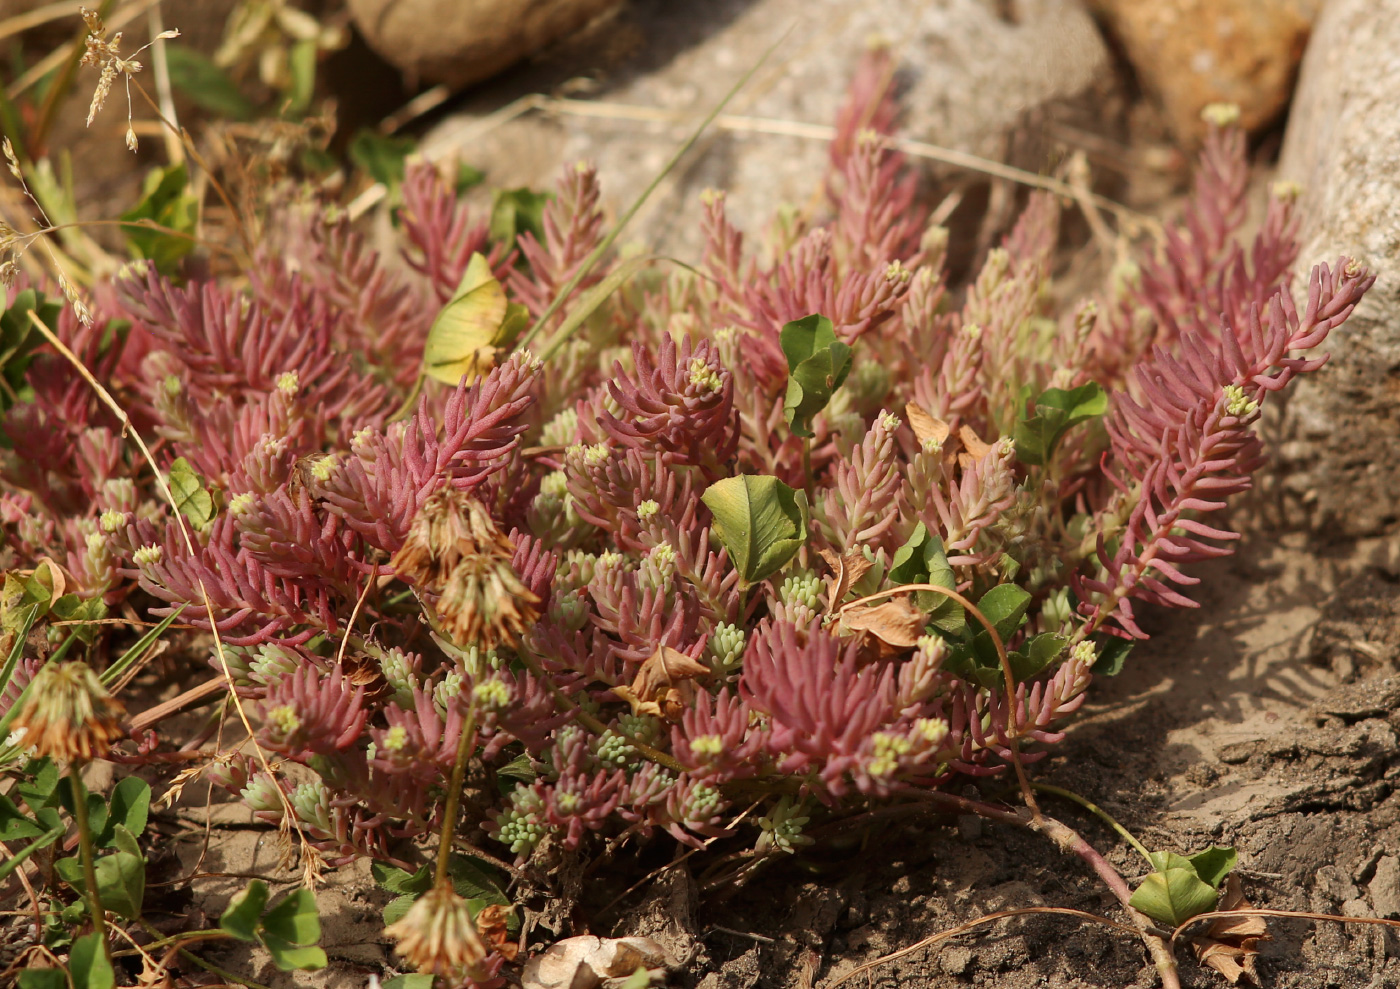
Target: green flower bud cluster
726	647
312	802
643	727
802	589
614	751
704	802
261	795
394	664
521	825
561	430
271	664
446	691
782	828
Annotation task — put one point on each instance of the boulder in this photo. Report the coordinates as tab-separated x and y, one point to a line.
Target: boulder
1342	146
1191	53
971	72
460	42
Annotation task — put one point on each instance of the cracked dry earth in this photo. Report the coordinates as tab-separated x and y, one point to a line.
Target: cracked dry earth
1266	720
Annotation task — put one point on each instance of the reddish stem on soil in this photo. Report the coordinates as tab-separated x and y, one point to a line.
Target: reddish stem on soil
1069	840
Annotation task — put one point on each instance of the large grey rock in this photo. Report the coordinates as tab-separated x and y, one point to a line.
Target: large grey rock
1343	146
974	69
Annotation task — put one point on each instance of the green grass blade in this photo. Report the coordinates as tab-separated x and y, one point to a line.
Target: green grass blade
113	672
17	651
607	242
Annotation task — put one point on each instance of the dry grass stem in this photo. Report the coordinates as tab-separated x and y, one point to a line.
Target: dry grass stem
308	852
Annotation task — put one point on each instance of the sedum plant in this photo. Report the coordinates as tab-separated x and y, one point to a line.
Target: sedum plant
804	527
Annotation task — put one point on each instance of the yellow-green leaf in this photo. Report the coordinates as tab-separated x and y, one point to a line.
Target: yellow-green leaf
476	324
1173	895
194	502
760	520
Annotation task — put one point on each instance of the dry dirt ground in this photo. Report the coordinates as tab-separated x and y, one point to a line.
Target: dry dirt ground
1262	721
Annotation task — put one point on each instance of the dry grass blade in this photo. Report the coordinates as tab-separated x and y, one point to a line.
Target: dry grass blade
163	710
20	23
581	272
1293	914
289	812
933	939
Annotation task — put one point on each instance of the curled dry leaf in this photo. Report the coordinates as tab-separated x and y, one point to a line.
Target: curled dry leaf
584	962
927	426
846	571
895	624
1230	943
491	921
662	686
58	577
976	447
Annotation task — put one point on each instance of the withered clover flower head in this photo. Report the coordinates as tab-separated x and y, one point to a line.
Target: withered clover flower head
69	715
438	935
455	550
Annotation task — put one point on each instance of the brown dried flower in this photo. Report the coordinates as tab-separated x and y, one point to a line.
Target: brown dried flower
455	550
105	54
438	935
69	715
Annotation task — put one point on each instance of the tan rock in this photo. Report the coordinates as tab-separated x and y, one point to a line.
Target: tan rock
1342	451
460	42
1191	53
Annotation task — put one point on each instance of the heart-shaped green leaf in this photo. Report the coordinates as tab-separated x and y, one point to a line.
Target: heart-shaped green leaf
921	560
295	919
1005	607
208	86
1113	654
166	202
43	978
1057	411
244	911
1036	655
291	957
517	211
760	520
477	322
1214	864
89	611
398	907
128	808
817	365
88	964
473	880
14	824
414	981
191	498
12	862
401	881
1174	895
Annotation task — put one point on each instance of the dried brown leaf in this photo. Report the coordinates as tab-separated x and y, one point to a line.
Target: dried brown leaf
664	669
583	962
1229	944
491	921
846	571
927	427
974	443
897	623
638	705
